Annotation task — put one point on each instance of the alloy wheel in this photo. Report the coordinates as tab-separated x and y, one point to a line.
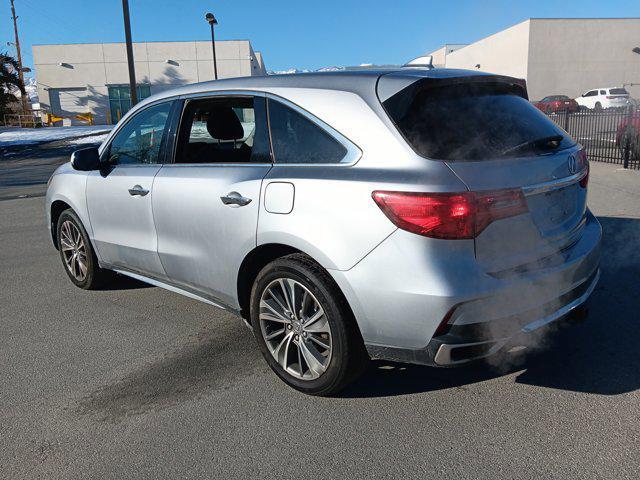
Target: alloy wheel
74	250
295	329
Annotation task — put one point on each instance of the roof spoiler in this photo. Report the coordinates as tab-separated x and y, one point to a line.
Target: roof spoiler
425	61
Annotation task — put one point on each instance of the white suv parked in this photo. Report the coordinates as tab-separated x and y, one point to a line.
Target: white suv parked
615	97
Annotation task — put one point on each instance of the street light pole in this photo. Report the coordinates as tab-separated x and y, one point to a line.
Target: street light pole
127	35
211	19
25	103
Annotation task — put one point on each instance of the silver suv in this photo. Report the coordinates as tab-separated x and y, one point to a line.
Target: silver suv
420	215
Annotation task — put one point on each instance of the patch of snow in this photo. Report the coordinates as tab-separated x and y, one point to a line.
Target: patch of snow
89	139
27	136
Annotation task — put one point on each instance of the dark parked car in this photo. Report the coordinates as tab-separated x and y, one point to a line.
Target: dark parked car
557	103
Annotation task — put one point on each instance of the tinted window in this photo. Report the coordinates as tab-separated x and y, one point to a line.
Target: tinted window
469	121
295	139
618	91
603	92
556	98
139	140
592	93
224	130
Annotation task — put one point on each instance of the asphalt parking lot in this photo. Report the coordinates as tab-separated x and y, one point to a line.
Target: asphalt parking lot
138	382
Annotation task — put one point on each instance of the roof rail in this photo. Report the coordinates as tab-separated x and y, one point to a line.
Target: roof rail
425	61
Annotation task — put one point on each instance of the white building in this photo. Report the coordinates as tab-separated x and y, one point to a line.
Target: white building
557	56
93	78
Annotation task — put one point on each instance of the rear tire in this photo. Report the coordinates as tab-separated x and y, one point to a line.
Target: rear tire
320	357
598	107
78	258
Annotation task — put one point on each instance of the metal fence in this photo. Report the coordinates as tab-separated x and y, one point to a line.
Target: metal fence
611	136
22	121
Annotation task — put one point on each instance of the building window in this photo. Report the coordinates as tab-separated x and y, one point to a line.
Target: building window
120	99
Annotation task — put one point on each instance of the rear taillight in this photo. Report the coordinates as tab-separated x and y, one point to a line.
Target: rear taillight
460	215
583	163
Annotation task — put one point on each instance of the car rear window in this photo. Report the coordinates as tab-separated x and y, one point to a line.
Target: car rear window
618	91
469	121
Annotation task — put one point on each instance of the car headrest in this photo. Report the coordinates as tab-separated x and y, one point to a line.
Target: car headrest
223	123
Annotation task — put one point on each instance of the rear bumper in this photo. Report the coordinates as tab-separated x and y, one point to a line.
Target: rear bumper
465	345
402	290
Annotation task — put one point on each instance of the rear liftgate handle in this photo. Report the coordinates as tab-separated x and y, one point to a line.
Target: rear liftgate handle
234	198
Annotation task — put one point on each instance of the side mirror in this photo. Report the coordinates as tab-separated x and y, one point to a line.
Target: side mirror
86	159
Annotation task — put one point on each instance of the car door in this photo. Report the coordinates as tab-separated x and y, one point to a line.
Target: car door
119	195
206	202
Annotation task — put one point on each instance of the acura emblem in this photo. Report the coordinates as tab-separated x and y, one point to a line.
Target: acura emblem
572	164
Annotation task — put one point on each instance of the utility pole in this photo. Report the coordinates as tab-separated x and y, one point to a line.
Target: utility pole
127	35
25	102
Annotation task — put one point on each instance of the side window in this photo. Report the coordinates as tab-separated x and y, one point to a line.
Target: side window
296	139
546	99
224	130
603	92
591	93
140	138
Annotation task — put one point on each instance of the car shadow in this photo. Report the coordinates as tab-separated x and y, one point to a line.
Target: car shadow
122	282
598	356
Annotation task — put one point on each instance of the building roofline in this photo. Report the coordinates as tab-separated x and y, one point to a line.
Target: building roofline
583	18
141	41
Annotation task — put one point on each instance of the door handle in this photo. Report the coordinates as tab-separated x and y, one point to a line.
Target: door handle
234	198
138	190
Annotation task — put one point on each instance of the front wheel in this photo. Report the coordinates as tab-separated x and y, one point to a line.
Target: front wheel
79	259
304	327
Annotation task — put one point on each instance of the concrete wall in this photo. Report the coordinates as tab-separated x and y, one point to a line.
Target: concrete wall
440	55
505	52
559	56
571	56
162	65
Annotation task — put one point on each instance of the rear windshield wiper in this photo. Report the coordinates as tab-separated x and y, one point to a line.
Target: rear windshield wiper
546	143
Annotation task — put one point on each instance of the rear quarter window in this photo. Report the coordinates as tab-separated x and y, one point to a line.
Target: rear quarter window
296	139
469	121
618	91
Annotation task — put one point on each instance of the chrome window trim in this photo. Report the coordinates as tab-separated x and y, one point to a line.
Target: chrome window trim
353	154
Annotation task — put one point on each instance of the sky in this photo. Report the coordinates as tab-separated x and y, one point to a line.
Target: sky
293	34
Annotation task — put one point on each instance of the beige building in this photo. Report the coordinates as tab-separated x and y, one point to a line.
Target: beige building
559	56
93	78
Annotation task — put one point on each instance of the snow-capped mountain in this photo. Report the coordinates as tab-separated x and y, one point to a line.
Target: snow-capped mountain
362	66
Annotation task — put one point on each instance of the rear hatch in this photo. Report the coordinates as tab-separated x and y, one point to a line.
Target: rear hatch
494	140
618	96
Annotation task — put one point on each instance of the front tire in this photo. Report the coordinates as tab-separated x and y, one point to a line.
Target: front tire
78	258
304	327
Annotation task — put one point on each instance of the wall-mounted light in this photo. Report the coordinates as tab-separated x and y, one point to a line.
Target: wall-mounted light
65	65
636	50
172	62
477	65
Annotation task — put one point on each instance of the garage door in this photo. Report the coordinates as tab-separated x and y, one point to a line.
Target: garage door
68	101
